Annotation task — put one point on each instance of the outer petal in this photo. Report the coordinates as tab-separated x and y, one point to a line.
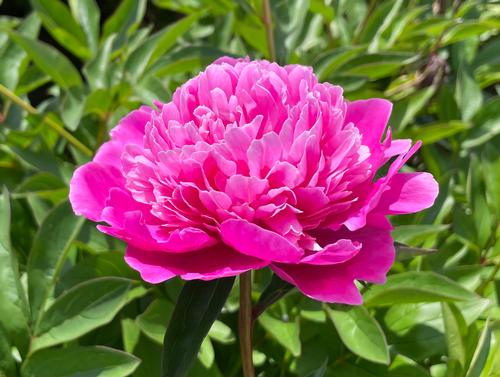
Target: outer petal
89	188
335	282
370	117
408	193
338	252
252	240
206	264
320	283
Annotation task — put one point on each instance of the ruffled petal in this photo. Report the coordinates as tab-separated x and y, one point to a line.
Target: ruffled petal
206	264
252	240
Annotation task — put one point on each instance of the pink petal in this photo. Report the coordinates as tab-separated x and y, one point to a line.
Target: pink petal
320	283
408	193
370	117
335	282
206	264
251	239
89	188
338	252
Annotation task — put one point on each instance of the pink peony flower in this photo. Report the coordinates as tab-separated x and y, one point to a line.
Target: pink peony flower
252	165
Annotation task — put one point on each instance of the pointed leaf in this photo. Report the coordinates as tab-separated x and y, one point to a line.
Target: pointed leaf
276	289
49	60
410	287
361	333
197	307
13	304
287	333
49	252
80	362
81	309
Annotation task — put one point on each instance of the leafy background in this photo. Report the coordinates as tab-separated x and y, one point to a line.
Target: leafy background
69	306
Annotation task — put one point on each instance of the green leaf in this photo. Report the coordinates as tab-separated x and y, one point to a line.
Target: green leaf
49	60
13	55
206	353
59	22
124	21
81	309
221	333
72	108
389	18
328	63
288	21
455	328
361	333
49	251
276	289
80	362
467	92
14	312
481	353
413	287
7	362
413	234
197	307
97	71
87	14
435	132
287	333
486	124
153	322
156	45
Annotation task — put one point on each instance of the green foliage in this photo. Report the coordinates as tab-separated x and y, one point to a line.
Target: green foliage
70	306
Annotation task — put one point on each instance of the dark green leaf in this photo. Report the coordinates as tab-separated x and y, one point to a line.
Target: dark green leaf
14	312
276	289
197	307
51	61
60	23
81	309
87	14
48	254
80	362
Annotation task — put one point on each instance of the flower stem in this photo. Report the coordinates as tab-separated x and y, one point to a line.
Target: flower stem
245	324
56	127
267	19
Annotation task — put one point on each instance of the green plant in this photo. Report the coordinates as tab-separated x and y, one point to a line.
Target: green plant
70	306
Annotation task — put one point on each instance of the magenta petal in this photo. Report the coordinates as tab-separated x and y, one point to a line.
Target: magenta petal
251	239
206	264
408	193
89	188
370	117
335	282
376	256
323	283
338	252
183	240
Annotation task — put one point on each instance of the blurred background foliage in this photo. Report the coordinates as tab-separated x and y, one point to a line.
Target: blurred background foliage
69	306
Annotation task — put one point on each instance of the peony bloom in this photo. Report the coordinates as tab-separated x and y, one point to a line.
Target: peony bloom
252	165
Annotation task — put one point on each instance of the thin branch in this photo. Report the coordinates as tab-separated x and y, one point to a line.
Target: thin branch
245	324
56	127
267	19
